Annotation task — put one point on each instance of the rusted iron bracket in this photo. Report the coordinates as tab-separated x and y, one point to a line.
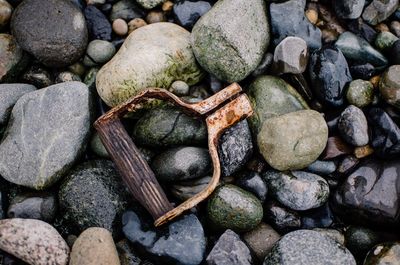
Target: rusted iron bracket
220	111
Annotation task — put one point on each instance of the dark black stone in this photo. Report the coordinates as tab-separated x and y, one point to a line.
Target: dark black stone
80	4
41	206
359	240
385	134
329	74
37	76
98	24
182	241
364	71
253	182
295	24
187	12
214	83
348	9
394	57
362	29
7	259
319	217
106	9
371	194
127	10
235	148
2	204
282	219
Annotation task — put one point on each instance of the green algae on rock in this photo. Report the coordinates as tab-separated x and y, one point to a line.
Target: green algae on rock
229	41
155	55
231	207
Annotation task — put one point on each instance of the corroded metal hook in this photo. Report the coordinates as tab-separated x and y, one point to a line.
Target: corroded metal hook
220	111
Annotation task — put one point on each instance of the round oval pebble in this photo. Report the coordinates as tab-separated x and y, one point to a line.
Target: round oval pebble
231	207
389	85
5	13
353	126
360	93
120	27
99	52
135	24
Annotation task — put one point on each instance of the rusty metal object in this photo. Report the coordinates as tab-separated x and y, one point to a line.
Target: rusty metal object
220	111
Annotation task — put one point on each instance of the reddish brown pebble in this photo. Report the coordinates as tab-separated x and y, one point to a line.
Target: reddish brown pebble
382	27
155	17
312	15
135	24
167	6
120	27
5	13
375	80
336	147
363	151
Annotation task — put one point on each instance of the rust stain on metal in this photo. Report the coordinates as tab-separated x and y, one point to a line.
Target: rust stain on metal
221	111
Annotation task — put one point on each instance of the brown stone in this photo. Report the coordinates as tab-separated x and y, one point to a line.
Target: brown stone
167	6
155	17
363	151
261	239
135	24
336	147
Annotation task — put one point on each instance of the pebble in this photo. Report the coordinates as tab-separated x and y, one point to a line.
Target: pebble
98	52
291	56
186	189
261	240
135	24
126	10
394	52
296	25
281	218
235	148
40	206
55	34
127	255
66	77
360	197
187	12
179	88
385	40
231	207
271	96
38	76
395	28
312	16
359	240
141	51
120	27
167	6
9	95
362	29
155	17
347	165
348	9
225	50
360	93
308	247
297	190
49	129
363	151
12	58
265	64
322	167
95	245
379	10
329	74
182	241
92	195
98	147
149	4
336	147
353	126
389	85
98	25
318	217
23	238
363	71
181	163
229	249
359	50
384	254
385	134
294	140
161	127
253	182
5	13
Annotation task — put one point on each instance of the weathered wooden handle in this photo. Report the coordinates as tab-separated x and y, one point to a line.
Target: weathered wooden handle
134	170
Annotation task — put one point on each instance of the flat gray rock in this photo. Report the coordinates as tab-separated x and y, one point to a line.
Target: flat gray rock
48	130
9	94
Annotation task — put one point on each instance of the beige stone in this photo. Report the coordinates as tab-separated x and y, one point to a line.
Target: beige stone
261	239
94	246
293	140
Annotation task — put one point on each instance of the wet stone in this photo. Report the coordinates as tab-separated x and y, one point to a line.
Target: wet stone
384	254
362	71
359	50
360	93
98	25
182	163
92	195
360	197
41	206
297	190
182	241
322	167
281	218
187	12
308	247
55	34
389	85
291	56
98	52
253	182
261	239
126	10
235	148
229	249
336	147
353	126
385	134
329	74
319	217
385	40
362	29
346	9
379	10
231	207
359	240
162	127
296	24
